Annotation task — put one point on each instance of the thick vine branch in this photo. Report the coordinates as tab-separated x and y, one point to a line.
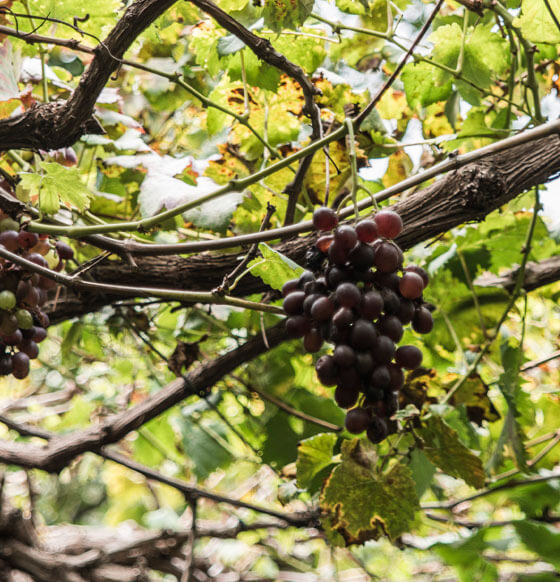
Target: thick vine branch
62	123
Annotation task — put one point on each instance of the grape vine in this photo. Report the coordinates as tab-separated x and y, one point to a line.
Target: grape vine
359	297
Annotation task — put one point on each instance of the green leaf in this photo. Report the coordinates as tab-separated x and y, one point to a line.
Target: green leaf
540	539
422	471
360	504
58	185
314	454
274	268
291	14
72	338
443	448
537	25
425	84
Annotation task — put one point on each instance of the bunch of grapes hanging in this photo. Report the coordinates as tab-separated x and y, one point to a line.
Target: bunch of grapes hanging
359	300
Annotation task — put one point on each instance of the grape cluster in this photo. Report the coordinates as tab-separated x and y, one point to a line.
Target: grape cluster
359	299
22	294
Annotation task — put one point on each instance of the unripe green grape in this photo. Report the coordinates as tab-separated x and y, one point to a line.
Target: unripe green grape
24	319
7	300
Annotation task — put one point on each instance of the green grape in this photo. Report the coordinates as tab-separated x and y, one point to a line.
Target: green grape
24	319
7	300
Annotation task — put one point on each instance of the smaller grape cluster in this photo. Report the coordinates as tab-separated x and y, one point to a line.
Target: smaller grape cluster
359	299
22	294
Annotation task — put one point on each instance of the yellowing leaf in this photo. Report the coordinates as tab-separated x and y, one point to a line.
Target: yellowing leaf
537	25
360	504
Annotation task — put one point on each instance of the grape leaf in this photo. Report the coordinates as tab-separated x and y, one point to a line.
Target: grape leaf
360	504
58	185
443	448
425	84
281	14
537	25
274	268
540	539
9	72
314	454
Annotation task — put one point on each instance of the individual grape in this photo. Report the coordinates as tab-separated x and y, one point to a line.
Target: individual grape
8	323
343	318
30	348
308	303
361	256
391	326
389	224
411	285
397	376
377	430
316	286
42	318
24	319
312	341
406	311
374	394
297	326
5	364
326	370
9	239
380	377
304	278
322	309
364	363
40	333
384	350
366	230
324	242
389	280
349	378
344	356
348	295
339	335
293	303
26	239
32	298
364	335
64	251
13	339
7	300
357	420
23	288
37	259
337	275
345	236
290	286
419	271
409	357
9	224
324	218
371	305
20	365
338	255
387	257
422	322
391	301
345	396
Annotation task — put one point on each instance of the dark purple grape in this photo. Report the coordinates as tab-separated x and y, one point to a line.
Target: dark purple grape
315	287
39	334
20	365
419	271
344	356
297	326
366	230
387	257
27	240
324	218
391	403
42	297
308	303
397	376
32	298
384	350
64	251
13	339
371	305
30	348
346	396
364	363
361	256
349	377
389	280
312	341
46	283
5	364
9	239
380	377
304	278
389	223
391	301
377	430
344	317
409	357
411	285
338	255
357	420
42	318
345	236
374	394
406	311
290	286
364	335
37	259
326	370
422	322
322	309
339	335
391	326
8	323
324	242
348	295
293	303
23	288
